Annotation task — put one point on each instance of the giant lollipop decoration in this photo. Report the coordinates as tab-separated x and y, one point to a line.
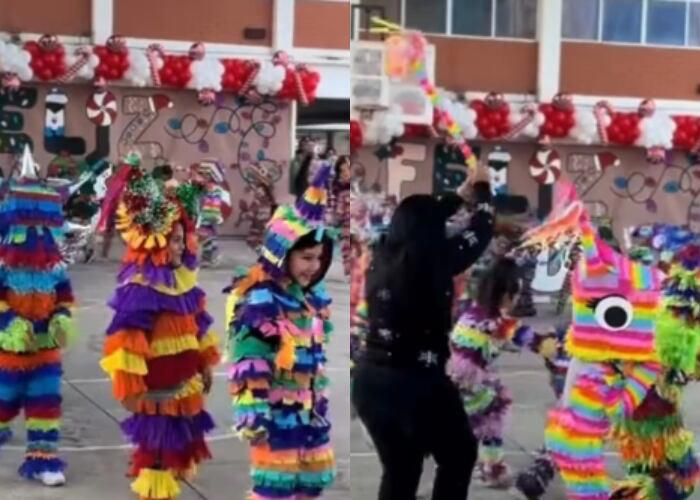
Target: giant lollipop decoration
545	168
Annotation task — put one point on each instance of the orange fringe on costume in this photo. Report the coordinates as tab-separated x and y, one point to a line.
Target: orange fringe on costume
169	325
210	356
17	362
130	340
159	257
184	407
32	306
125	385
316	460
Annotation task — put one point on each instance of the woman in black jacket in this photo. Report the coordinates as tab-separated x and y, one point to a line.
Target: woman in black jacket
402	395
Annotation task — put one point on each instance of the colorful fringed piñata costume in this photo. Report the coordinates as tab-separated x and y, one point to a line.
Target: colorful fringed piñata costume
476	342
614	359
214	200
340	210
159	346
277	340
655	445
35	319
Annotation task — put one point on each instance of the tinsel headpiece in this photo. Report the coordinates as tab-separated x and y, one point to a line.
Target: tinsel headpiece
147	213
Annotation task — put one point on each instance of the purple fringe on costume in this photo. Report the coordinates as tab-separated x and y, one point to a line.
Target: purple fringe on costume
137	298
155	275
249	368
464	371
273	271
312	213
204	322
161	432
490	421
132	320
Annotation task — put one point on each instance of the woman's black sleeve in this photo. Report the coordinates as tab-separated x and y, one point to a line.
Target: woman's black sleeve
467	247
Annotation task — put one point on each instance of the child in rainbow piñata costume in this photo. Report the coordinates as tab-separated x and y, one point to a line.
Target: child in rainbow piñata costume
483	330
615	376
211	174
278	334
35	320
159	351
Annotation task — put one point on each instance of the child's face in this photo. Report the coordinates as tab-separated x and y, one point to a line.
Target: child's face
345	172
305	264
176	245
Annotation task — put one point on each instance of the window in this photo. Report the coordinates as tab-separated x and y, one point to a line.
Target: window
622	21
652	22
483	18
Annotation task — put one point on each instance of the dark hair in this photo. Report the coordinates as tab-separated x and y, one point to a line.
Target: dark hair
301	181
164	172
450	203
501	280
309	241
411	262
342	159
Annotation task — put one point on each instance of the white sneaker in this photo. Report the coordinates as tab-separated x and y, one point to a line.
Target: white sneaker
51	478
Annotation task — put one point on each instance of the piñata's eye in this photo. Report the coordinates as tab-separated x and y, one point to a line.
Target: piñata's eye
613	312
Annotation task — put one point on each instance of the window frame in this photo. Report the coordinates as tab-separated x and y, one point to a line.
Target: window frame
448	31
643	42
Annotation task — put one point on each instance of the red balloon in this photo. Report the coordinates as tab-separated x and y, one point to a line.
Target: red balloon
547	109
46	74
100	50
570	120
560	117
32	47
483	122
49	58
491	132
113	74
559	132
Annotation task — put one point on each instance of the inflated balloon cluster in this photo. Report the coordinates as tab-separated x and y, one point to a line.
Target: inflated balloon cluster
48	60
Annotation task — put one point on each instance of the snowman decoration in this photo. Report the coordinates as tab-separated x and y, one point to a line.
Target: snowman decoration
498	163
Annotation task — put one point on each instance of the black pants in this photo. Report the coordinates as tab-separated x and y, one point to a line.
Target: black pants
411	413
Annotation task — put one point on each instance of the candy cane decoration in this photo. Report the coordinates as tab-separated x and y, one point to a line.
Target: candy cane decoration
153	52
601	111
283	58
530	111
83	54
251	78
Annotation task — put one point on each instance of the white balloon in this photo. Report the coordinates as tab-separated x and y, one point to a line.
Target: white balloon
207	74
657	131
139	72
14	59
270	78
586	128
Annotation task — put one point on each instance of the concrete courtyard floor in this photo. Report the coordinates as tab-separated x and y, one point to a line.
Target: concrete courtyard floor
92	443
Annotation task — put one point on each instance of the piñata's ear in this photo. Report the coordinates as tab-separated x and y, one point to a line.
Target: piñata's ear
596	257
312	205
559	229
